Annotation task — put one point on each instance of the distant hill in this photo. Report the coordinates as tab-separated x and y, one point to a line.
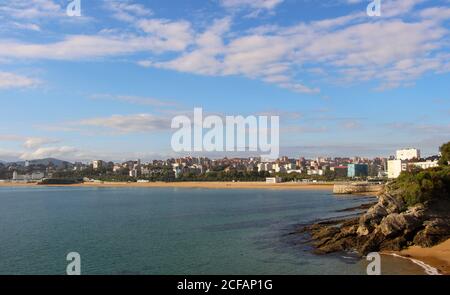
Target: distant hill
44	162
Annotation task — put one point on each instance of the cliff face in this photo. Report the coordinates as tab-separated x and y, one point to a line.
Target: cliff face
388	225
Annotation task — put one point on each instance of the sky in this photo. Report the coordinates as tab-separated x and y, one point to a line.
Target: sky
106	84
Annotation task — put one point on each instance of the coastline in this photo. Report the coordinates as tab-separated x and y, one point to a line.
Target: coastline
207	185
437	256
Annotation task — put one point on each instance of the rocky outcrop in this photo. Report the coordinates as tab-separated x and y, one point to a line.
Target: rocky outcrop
387	225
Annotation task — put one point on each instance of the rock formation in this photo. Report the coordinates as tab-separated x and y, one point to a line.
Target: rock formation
388	225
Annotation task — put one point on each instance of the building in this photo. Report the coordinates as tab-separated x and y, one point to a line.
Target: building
394	168
357	170
264	167
37	175
340	171
34	176
407	154
117	167
98	164
133	173
317	171
273	180
279	168
426	164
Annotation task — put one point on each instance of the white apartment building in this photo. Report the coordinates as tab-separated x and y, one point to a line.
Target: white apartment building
279	168
427	164
28	177
98	164
134	173
273	180
395	167
319	172
407	154
290	166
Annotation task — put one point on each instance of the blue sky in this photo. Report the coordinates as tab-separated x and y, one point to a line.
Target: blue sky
107	84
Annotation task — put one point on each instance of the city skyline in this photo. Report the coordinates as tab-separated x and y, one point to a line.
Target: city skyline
106	85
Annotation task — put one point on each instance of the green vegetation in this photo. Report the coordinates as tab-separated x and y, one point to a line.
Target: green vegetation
232	175
59	181
445	151
419	186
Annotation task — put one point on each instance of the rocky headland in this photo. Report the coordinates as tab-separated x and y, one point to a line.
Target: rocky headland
411	211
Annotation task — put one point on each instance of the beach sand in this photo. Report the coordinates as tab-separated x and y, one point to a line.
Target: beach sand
437	256
208	185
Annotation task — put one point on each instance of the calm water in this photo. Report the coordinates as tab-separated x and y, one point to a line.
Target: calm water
170	231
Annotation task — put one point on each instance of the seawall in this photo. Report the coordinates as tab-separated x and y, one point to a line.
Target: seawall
356	188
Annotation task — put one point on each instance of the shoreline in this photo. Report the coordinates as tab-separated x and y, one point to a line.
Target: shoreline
206	185
437	257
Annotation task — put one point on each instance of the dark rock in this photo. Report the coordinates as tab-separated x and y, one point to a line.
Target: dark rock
435	232
372	243
387	225
396	244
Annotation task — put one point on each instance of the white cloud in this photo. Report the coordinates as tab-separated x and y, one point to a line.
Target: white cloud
127	11
77	47
31	9
350	48
436	13
127	123
28	142
255	4
26	26
11	80
149	101
63	152
392	8
179	33
34	142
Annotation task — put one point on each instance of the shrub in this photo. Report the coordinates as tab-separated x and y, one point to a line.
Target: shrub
421	186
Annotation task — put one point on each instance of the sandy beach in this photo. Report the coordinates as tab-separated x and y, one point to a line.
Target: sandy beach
208	185
437	256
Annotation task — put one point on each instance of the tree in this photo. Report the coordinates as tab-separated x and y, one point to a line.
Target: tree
445	154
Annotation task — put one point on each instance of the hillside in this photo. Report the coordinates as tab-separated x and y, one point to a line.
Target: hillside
44	162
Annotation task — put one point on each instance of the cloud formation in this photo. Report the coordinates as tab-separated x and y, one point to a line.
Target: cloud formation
395	49
12	80
252	4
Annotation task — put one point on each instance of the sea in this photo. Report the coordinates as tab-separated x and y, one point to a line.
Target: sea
173	231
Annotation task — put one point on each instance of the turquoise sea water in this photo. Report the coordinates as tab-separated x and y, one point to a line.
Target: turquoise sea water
170	231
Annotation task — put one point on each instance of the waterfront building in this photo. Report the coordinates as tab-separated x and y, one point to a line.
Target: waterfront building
357	170
273	180
340	171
